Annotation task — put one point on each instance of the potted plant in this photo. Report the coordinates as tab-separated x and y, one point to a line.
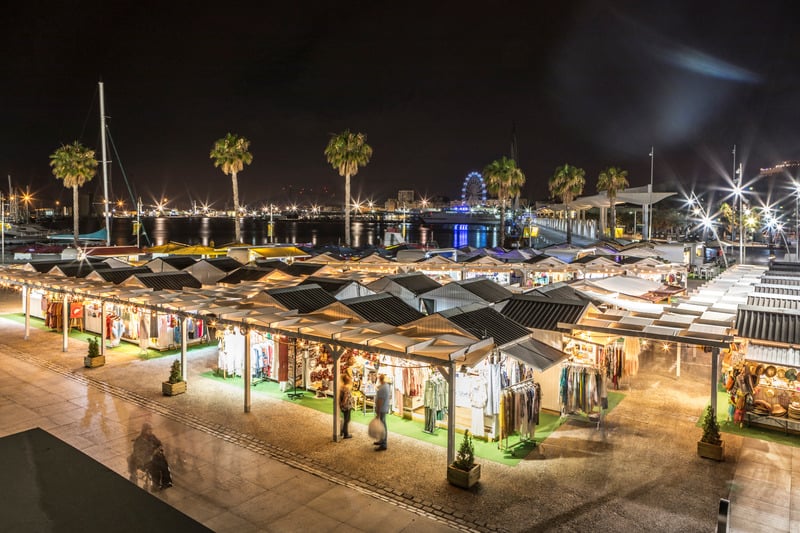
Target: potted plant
175	384
93	358
710	444
464	472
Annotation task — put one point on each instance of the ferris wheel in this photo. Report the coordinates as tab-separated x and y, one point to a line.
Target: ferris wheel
473	192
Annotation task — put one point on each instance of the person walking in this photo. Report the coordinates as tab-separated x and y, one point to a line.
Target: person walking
346	405
382	404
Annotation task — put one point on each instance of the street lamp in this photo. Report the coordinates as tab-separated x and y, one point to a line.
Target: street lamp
650	199
739	191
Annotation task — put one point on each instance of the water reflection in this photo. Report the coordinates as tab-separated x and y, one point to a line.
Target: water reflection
218	231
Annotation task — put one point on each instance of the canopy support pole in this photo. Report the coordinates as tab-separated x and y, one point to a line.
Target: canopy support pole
336	352
102	327
65	323
184	337
27	293
449	373
248	378
714	377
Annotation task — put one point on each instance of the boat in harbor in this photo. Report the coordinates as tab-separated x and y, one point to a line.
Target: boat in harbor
14	233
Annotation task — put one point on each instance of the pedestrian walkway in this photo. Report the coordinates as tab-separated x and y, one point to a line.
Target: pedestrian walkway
277	468
226	480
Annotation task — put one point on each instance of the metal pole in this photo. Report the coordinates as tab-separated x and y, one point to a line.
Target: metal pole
247	371
65	323
742	254
650	200
138	221
105	162
184	337
714	362
27	290
3	228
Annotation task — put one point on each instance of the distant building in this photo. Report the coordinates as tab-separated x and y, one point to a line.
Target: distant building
405	197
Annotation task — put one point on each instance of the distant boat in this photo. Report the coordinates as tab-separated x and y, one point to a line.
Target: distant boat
99	235
455	216
24	233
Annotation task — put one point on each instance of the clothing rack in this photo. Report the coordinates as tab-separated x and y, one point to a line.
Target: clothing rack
582	411
524	440
293	394
435	401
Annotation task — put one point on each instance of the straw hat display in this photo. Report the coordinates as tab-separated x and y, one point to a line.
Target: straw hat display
778	410
794	410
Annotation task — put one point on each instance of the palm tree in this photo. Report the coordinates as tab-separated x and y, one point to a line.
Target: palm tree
76	165
728	214
505	180
612	180
346	152
567	183
231	154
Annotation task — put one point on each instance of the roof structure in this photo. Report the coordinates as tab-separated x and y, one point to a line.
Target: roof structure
246	274
383	307
782	325
303	269
331	285
159	281
485	289
416	282
118	275
225	264
77	269
303	298
485	322
705	318
170	262
543	312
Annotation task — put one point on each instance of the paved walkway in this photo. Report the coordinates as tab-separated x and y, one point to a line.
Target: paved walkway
276	468
224	479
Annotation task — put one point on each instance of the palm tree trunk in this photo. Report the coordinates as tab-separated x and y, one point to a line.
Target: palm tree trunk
613	217
237	228
569	226
347	209
75	215
503	223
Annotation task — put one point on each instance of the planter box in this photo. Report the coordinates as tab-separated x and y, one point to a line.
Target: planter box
462	478
94	362
172	389
711	451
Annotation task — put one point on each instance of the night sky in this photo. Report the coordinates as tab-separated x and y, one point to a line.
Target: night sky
438	87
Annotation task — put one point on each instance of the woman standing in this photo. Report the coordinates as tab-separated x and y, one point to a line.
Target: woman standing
346	405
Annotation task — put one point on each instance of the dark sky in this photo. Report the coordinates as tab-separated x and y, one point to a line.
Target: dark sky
436	86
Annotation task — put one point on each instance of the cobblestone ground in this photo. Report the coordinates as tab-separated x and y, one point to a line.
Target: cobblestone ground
639	472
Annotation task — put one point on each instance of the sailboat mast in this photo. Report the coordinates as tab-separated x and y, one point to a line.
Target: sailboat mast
106	210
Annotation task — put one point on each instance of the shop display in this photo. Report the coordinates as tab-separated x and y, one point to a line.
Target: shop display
519	411
582	389
763	393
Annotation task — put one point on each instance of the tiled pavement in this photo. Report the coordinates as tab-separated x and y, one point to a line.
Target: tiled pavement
226	480
242	473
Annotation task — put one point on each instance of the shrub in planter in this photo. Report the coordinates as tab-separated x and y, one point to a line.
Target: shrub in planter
710	444
464	472
175	384
93	358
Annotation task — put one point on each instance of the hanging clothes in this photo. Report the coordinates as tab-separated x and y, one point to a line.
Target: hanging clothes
582	389
520	405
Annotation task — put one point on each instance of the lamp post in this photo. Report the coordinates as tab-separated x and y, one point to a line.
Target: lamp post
796	225
740	188
650	198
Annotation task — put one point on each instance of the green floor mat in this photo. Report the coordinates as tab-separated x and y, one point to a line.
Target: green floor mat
412	428
124	347
765	434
